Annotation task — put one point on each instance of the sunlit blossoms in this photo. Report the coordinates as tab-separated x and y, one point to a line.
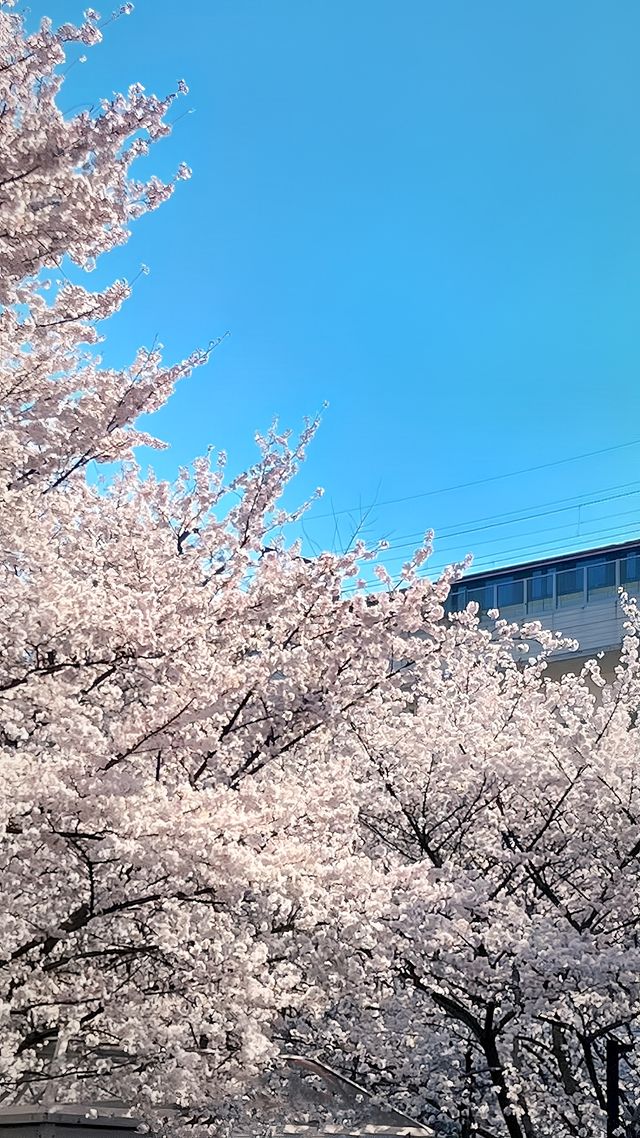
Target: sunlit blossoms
248	812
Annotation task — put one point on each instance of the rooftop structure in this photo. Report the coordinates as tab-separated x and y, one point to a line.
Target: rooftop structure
577	594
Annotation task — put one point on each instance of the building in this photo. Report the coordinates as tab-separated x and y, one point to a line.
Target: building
577	594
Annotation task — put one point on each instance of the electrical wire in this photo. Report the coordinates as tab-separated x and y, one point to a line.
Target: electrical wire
476	481
433	569
491	541
483	526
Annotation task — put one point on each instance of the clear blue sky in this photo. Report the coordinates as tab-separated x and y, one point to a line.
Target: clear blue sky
427	214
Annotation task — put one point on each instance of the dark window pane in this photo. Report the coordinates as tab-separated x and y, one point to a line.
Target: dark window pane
510	593
457	599
570	587
570	581
540	585
483	595
630	568
601	577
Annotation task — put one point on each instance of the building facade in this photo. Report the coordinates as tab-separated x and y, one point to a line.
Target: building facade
576	594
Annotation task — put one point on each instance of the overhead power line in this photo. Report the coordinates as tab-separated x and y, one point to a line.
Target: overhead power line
432	569
494	541
481	525
485	562
473	482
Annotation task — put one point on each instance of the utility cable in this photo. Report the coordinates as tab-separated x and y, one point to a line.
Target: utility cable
476	481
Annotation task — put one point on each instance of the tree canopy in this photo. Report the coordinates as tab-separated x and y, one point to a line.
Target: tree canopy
248	810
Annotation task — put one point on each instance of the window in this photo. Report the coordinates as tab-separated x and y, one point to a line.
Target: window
630	567
510	594
601	579
540	591
540	585
630	573
570	586
461	595
483	595
457	599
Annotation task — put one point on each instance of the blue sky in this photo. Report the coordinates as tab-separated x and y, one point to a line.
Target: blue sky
427	214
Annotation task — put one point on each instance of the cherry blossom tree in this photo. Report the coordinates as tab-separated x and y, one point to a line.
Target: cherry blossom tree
504	821
163	651
252	815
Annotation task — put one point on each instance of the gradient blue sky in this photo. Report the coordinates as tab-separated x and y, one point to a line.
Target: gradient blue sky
427	214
